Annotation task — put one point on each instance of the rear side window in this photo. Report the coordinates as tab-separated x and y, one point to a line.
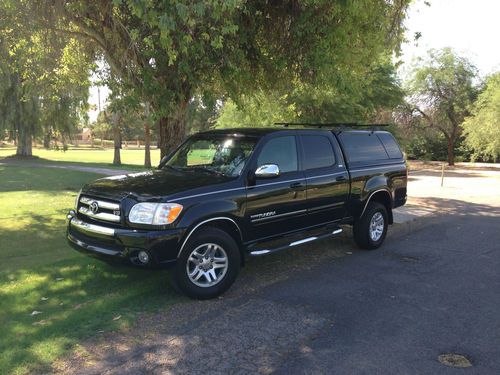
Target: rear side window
390	145
363	147
318	152
281	151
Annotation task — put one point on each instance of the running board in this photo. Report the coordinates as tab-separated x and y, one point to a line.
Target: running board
269	250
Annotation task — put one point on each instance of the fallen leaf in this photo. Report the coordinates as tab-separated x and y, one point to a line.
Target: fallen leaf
35	312
59	278
117	317
40	323
44	298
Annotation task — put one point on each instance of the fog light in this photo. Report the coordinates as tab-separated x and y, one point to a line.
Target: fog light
143	257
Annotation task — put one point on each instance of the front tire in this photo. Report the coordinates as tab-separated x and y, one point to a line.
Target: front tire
370	229
208	264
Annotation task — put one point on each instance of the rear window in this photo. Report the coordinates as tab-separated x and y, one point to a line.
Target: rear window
363	147
390	145
318	152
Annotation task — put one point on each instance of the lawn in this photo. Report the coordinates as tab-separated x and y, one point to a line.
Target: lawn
91	156
51	297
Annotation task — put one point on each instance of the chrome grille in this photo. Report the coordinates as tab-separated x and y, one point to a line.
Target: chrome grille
99	210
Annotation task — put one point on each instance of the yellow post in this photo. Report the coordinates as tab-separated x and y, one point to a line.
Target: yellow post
442	175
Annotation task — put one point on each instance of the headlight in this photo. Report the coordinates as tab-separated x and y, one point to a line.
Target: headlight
154	213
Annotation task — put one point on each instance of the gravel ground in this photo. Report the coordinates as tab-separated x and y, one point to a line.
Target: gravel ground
329	308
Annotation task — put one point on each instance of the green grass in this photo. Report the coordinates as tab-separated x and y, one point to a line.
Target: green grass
78	296
91	156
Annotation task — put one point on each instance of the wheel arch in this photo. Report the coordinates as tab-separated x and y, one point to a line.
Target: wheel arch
382	196
224	223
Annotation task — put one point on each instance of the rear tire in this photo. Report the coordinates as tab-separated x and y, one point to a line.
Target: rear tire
208	264
370	229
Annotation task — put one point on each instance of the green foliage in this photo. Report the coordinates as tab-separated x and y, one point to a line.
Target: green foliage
169	52
258	110
44	77
482	128
362	98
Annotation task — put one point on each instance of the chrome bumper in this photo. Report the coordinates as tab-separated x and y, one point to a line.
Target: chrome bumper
90	228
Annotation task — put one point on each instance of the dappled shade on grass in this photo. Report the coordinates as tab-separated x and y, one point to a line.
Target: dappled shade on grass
77	296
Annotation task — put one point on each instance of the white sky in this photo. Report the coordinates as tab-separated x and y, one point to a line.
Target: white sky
470	27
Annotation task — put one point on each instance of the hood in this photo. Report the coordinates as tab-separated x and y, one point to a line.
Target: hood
155	183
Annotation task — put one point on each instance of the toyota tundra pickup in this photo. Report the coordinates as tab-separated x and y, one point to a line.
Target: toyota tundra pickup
224	195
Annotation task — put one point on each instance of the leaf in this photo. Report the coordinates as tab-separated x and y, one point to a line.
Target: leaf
117	317
35	312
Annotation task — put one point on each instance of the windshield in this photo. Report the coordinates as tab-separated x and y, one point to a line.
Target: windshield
224	155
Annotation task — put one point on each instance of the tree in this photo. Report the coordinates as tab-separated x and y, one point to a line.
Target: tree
482	128
170	51
44	77
367	96
441	91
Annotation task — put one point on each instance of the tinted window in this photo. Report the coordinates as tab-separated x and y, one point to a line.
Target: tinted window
390	145
281	151
363	147
318	152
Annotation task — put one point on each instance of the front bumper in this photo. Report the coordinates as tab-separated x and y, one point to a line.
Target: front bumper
123	245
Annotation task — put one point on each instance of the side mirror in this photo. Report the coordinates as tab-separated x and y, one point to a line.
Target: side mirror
267	171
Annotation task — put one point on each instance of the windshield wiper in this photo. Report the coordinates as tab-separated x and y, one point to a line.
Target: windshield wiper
206	169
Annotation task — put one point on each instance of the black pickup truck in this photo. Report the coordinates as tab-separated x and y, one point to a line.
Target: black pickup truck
224	195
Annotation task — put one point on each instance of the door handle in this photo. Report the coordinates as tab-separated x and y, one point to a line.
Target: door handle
340	178
297	185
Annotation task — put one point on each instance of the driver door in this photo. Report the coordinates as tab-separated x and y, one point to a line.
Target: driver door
277	205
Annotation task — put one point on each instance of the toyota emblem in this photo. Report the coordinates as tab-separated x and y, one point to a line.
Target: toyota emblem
94	207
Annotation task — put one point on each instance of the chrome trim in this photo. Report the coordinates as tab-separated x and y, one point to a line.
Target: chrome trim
234	189
327	175
309	239
267	171
103	204
278	216
91	228
100	216
370	196
203	194
206	221
331	205
259	252
277	182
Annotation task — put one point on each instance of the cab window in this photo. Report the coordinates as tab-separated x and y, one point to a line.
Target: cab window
318	152
281	151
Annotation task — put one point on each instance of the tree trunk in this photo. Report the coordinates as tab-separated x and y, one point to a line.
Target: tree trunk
46	139
24	143
147	137
451	151
117	138
147	146
172	129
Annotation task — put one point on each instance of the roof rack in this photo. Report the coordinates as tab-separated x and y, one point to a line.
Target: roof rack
328	124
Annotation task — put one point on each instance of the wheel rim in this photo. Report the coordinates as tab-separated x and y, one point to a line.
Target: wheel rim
376	226
207	265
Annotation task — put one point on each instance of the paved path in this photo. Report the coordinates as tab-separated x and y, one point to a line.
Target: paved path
328	308
73	167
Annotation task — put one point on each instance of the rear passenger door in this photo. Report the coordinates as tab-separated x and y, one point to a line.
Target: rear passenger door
327	179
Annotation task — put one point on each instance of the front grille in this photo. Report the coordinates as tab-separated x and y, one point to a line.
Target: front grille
99	210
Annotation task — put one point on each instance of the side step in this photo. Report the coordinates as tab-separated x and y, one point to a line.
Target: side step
287	242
